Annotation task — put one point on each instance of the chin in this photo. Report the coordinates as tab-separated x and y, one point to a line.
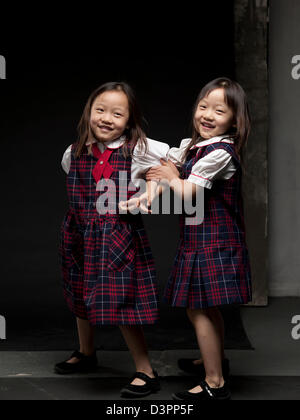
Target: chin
205	136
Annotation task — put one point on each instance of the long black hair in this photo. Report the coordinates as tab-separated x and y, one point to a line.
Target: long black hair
134	132
236	100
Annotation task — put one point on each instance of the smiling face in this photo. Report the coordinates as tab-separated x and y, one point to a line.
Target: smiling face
213	117
109	115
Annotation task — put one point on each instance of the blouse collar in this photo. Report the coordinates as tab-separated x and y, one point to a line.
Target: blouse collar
114	144
218	139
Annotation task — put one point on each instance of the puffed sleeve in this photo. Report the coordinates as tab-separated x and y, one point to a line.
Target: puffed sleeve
66	160
217	164
142	162
176	154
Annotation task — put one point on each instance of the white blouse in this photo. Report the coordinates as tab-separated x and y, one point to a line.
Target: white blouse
114	144
141	162
216	165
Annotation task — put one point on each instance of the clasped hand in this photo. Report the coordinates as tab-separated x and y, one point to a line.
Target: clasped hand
164	172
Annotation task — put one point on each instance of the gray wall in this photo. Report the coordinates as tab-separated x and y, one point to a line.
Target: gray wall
251	72
284	149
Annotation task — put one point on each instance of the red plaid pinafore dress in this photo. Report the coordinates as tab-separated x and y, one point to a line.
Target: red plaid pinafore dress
211	266
107	266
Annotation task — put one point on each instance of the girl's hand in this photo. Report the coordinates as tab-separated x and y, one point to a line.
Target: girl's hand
167	171
129	205
135	203
173	167
145	202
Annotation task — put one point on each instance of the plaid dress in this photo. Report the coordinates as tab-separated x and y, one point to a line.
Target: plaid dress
107	266
211	265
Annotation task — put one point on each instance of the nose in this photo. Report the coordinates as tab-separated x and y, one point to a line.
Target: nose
106	117
208	114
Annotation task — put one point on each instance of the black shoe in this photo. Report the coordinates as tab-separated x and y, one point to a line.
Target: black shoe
188	366
84	365
136	391
208	393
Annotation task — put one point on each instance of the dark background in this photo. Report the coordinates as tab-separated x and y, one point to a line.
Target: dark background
52	67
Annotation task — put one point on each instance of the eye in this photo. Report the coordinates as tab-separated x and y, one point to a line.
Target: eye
100	109
117	114
220	111
202	106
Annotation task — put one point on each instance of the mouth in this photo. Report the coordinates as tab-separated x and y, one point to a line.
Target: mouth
207	126
105	128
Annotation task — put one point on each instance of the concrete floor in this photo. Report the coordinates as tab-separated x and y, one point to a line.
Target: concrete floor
269	372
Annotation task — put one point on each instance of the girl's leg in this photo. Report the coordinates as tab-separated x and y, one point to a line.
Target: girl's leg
217	319
86	338
209	338
135	340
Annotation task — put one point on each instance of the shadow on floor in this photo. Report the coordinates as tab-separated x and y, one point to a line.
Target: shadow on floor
37	330
107	389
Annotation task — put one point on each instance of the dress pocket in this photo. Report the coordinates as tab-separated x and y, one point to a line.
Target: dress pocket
71	245
77	251
121	252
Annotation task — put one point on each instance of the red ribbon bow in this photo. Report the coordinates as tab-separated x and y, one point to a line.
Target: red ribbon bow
102	168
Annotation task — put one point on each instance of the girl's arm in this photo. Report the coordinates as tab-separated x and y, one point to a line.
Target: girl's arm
144	200
66	160
145	158
166	173
154	191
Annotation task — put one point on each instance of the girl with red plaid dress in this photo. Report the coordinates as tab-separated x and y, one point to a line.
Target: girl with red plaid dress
211	265
107	265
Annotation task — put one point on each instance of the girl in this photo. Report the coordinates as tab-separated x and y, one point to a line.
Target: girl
107	265
211	266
